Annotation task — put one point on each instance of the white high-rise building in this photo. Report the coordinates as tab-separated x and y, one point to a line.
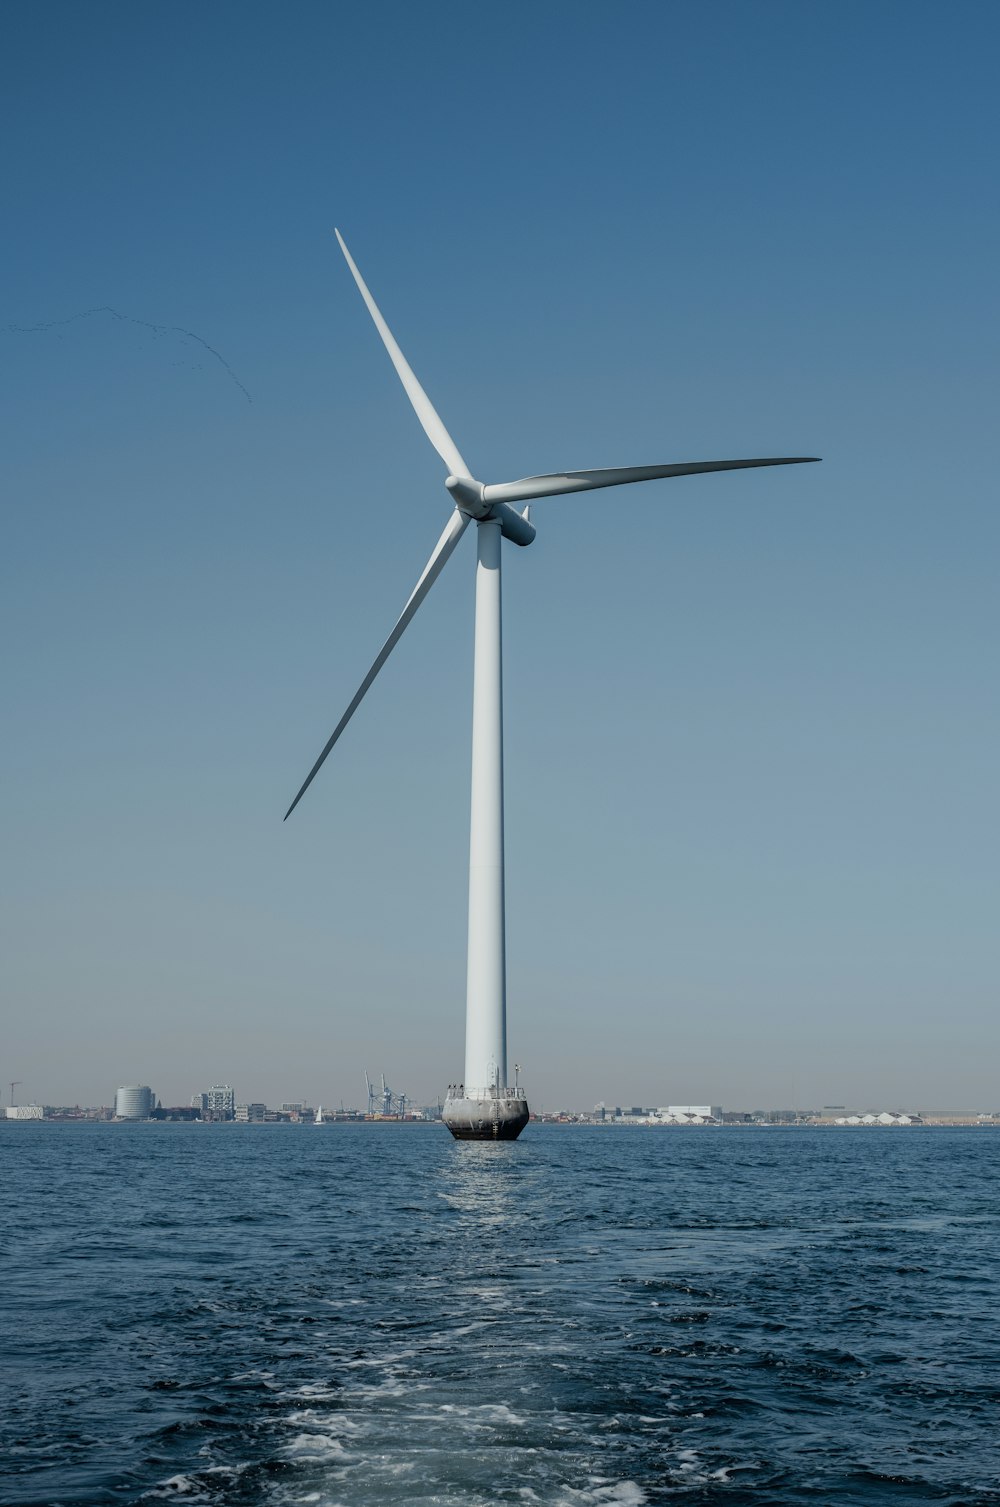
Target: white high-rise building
134	1102
219	1102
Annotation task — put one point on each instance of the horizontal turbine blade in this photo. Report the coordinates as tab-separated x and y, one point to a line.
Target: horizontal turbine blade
422	405
586	481
454	530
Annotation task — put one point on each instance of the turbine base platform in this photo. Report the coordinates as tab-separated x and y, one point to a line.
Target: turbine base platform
487	1117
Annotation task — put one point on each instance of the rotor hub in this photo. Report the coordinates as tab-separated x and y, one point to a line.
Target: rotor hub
468	496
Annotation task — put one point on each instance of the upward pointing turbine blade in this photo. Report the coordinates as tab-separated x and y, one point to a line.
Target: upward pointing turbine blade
454	530
586	481
422	405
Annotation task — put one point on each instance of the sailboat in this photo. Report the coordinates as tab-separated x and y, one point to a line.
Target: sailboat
319	1116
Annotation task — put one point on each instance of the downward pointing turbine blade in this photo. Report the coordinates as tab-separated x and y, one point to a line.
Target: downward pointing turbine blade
422	405
587	481
454	530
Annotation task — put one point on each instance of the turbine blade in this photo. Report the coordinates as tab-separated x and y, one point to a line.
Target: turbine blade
454	530
422	405
586	481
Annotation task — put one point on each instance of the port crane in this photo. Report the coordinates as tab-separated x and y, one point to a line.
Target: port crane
386	1103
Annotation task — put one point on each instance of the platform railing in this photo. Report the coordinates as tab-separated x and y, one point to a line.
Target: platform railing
457	1091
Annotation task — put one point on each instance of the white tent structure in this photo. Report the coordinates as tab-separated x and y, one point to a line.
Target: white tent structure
485	1105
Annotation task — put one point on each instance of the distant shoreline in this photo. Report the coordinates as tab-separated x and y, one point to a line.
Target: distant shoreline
955	1122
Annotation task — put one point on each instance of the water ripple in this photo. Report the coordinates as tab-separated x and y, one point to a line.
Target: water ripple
364	1317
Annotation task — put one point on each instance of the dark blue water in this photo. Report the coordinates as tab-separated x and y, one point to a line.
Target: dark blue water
379	1315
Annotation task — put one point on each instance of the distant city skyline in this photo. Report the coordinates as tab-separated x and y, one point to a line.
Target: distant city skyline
129	1110
223	1101
59	1084
752	733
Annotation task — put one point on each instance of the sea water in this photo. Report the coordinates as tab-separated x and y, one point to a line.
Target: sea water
372	1315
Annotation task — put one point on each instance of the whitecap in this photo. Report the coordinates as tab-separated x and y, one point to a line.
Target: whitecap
488	1412
317	1391
317	1447
179	1486
621	1493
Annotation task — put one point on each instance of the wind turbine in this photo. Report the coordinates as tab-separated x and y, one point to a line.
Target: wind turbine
484	1106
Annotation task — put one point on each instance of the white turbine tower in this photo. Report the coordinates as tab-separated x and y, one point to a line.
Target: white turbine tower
484	1106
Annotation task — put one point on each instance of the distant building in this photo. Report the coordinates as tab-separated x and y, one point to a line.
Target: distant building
25	1112
886	1117
134	1102
219	1103
694	1111
251	1114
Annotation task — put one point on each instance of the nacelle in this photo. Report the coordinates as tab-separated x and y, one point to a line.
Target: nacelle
514	526
468	496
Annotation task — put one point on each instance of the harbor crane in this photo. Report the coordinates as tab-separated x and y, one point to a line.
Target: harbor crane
385	1103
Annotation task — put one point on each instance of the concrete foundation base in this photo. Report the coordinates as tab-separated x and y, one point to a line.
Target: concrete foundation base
498	1117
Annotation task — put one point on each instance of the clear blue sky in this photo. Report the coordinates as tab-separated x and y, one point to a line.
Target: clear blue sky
752	720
